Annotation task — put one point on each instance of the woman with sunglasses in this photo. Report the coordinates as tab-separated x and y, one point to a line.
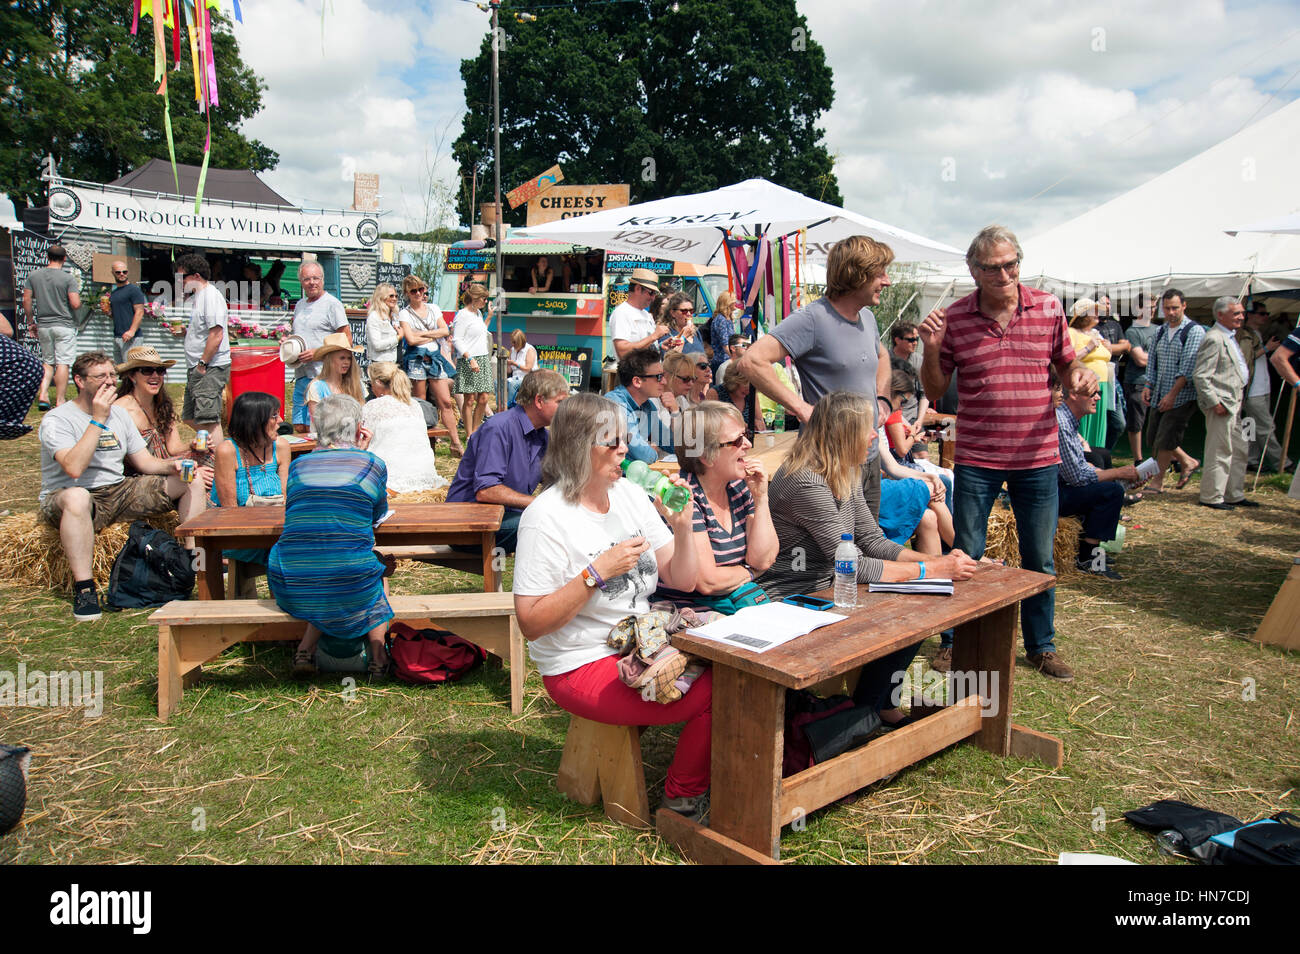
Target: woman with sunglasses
679	379
592	548
732	527
681	318
142	393
703	389
381	324
816	496
428	356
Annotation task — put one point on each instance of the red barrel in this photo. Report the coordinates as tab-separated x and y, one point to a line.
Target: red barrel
256	369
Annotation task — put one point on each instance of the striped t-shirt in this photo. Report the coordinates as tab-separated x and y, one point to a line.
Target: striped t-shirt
729	546
1004	412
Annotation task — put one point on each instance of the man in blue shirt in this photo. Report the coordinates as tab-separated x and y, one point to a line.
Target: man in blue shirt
641	376
126	302
1090	493
503	458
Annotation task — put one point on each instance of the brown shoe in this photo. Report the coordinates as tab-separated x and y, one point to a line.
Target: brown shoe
1050	664
942	661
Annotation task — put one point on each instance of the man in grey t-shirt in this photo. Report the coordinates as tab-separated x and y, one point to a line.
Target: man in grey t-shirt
50	296
835	344
84	487
316	315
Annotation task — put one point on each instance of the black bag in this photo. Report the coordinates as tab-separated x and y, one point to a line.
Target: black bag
152	569
818	729
1266	844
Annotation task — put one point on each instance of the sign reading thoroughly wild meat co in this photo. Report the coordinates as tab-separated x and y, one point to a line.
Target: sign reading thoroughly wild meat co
148	216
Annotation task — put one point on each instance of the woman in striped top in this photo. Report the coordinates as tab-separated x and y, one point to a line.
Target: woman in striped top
816	497
733	533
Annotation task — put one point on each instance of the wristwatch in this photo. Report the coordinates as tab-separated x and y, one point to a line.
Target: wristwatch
591	577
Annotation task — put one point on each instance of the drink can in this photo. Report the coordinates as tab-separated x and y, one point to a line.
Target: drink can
201	441
187	470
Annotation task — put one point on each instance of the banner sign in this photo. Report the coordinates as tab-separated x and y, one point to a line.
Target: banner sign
573	363
174	220
533	187
567	202
556	306
623	263
471	259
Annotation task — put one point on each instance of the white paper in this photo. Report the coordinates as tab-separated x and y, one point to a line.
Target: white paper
385	517
937	584
759	628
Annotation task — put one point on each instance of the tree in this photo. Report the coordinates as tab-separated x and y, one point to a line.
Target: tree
669	100
75	84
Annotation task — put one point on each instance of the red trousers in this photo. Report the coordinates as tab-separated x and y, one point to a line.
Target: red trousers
595	692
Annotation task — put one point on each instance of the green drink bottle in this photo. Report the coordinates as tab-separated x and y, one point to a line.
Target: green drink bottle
675	498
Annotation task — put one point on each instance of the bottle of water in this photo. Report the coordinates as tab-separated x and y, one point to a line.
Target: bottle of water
846	573
674	497
778	419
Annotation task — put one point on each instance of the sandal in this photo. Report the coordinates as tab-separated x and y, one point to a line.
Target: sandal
42	405
304	663
1187	476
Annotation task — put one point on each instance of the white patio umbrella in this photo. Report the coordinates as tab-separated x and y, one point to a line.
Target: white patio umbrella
1286	225
689	228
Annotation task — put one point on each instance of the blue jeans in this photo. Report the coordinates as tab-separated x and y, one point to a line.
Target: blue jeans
1034	501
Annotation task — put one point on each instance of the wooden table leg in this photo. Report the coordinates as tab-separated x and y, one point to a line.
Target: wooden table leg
491	579
211	585
984	662
748	734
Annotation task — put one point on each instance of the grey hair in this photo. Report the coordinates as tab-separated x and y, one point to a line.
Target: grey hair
1223	304
989	236
337	420
701	430
316	265
579	423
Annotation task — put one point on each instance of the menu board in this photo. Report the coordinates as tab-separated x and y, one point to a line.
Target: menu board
471	259
391	273
573	363
28	255
358	326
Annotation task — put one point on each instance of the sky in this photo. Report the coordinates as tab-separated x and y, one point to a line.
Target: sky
947	115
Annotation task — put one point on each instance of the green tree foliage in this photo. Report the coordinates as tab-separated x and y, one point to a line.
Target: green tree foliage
75	84
671	102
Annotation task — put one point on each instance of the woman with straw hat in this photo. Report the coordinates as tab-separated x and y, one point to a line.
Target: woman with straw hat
142	393
339	372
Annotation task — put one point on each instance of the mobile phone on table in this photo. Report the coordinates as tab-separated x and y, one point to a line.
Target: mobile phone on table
808	602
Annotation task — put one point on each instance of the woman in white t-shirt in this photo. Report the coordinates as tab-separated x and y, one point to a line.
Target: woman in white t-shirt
399	437
592	549
473	365
523	358
381	324
428	355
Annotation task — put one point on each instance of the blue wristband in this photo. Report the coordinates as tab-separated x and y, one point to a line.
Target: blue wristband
99	425
921	564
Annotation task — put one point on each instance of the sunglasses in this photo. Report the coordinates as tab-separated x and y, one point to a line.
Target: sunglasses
616	442
116	272
1009	267
703	366
685	311
653	377
416	291
912	340
738	442
686	378
151	372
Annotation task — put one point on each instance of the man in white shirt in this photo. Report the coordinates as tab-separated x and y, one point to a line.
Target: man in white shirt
207	349
630	325
1220	380
317	314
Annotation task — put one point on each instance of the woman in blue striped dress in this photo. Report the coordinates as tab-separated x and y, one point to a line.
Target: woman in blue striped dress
323	569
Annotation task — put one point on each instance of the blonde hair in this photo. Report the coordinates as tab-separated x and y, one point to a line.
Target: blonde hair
733	377
853	262
378	300
474	293
724	303
517	339
1081	312
703	422
351	384
835	442
392	377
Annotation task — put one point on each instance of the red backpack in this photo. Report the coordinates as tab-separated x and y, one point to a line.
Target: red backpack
430	656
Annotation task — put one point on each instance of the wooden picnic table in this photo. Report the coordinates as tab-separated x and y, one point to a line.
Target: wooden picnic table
750	801
412	524
300	445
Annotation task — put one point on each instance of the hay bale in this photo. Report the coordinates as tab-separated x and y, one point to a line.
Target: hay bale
33	555
1003	542
421	496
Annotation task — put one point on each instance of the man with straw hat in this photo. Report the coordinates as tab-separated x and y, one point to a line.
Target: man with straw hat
630	325
84	487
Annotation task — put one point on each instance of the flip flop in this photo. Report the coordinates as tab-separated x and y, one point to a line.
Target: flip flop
1152	490
1187	476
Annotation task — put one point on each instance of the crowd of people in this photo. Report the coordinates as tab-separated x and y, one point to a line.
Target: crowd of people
1042	396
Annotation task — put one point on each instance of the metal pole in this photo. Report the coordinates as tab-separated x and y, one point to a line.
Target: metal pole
496	164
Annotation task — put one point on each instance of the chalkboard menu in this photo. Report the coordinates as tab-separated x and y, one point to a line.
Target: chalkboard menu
391	273
358	326
573	363
28	255
471	259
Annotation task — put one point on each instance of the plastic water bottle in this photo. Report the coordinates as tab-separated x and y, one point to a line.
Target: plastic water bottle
674	497
846	573
778	419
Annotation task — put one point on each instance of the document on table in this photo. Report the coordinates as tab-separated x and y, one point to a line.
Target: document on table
384	517
759	628
297	439
938	585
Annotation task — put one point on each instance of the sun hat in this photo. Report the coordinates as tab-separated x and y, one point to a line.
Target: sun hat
145	356
643	276
290	347
335	342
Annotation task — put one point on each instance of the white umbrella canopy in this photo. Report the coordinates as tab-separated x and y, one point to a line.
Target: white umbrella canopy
689	228
1286	225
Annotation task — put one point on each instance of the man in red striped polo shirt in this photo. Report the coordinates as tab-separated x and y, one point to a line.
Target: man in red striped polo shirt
1002	338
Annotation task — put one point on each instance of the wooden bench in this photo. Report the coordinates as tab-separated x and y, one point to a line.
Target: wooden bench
602	763
192	632
438	555
307	445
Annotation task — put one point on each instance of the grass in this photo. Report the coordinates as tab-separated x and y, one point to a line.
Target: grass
257	768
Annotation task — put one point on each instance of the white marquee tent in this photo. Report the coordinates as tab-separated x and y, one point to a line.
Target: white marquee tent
1171	230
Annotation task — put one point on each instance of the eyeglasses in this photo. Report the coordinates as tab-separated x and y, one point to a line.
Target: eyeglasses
912	340
153	372
685	378
619	441
390	298
105	376
685	311
116	272
702	365
415	291
653	377
1009	267
740	441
